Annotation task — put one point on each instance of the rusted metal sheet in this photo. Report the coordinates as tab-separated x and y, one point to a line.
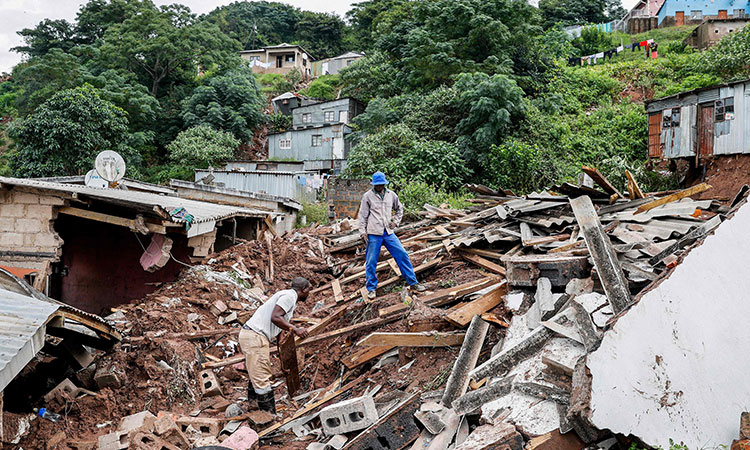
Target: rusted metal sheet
654	134
288	358
526	270
706	131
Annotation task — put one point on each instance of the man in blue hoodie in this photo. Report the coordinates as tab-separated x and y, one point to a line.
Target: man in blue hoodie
379	214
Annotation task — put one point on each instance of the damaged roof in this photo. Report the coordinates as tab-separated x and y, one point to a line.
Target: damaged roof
145	201
22	332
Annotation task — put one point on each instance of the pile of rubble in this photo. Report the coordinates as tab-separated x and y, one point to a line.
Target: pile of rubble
525	296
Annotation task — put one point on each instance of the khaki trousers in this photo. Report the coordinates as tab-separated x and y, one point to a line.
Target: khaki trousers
256	348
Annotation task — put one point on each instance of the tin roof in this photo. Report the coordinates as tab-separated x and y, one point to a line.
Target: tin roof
146	201
694	91
22	332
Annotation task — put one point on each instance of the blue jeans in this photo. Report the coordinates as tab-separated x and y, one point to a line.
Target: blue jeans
394	247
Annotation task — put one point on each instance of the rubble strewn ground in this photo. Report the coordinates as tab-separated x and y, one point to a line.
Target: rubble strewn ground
528	267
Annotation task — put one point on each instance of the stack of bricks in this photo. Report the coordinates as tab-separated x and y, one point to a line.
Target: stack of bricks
344	196
26	223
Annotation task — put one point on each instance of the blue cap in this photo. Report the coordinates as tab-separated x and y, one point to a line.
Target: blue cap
378	179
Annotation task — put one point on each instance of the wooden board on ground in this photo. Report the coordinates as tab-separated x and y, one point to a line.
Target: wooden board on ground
350	329
484	263
413	339
601	180
337	294
367	354
288	358
697	189
462	316
394	267
441	297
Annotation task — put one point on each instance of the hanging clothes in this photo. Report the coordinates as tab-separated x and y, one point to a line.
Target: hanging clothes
643	43
636	46
620	49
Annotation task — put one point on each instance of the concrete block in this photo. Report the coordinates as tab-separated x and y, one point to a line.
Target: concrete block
42	212
143	421
244	438
28	225
148	441
78	353
337	442
12	210
205	425
24	197
106	378
7	224
47	240
217	308
164	421
11	239
56	201
208	383
350	415
66	386
117	440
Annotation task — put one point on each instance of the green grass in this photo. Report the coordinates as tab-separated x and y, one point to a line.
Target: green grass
315	212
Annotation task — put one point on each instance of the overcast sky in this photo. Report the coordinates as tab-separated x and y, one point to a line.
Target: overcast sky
18	14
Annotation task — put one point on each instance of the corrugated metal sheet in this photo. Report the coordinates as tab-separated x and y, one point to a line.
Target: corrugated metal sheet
284	184
708	95
146	201
22	332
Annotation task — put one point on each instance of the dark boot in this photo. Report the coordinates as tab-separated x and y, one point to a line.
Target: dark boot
267	402
252	396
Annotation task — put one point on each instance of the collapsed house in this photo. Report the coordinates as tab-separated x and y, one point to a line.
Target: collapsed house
97	248
551	322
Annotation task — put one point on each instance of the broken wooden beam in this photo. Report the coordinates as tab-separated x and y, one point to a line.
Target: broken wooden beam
425	339
458	381
601	180
368	324
288	359
697	189
364	355
463	315
132	224
633	189
441	297
484	263
605	259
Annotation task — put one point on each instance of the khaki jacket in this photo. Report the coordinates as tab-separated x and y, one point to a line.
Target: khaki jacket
378	216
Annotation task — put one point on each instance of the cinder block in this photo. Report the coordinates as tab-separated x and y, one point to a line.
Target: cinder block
11	239
65	386
206	425
12	210
7	224
350	415
24	197
28	225
106	378
117	440
143	421
47	200
78	353
209	384
148	441
217	308
39	211
47	240
164	421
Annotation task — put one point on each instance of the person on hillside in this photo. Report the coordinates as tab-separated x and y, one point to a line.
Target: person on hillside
379	213
273	317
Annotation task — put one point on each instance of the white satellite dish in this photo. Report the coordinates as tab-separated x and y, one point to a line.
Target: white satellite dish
110	166
93	180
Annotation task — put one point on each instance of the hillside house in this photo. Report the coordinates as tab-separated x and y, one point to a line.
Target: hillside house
703	122
332	66
642	17
280	59
286	102
317	136
684	12
712	30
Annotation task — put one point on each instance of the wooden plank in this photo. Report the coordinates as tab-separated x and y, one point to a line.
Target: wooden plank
461	317
441	230
448	244
301	412
269	223
600	248
484	253
634	188
426	339
394	267
337	294
40	281
318	327
363	293
350	329
546	239
601	180
441	297
107	218
288	359
357	359
224	362
484	263
496	319
697	189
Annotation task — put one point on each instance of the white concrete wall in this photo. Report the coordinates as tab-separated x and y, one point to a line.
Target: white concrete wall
676	364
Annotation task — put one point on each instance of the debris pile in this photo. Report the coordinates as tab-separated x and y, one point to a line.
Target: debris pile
521	291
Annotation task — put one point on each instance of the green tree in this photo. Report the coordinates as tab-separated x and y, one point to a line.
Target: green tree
202	146
380	151
593	41
370	77
167	47
325	87
366	17
48	34
437	163
64	135
230	102
573	12
256	24
729	57
96	16
320	33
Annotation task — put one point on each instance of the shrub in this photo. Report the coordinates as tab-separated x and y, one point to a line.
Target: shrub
278	123
314	212
377	151
202	146
325	87
520	167
414	194
436	163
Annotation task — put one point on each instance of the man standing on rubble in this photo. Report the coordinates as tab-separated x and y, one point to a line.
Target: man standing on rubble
257	334
376	224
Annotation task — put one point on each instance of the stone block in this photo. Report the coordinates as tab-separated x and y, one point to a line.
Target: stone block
47	240
25	197
163	423
143	421
11	239
28	225
217	308
117	440
245	438
78	353
12	210
46	200
7	224
148	441
106	378
66	386
39	211
205	425
350	415
208	383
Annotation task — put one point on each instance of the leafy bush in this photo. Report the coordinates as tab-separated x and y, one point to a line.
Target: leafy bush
436	163
202	146
278	123
520	167
315	213
377	151
592	41
325	87
414	194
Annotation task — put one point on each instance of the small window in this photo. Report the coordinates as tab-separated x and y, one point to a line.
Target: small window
317	140
696	15
307	118
719	110
289	58
729	108
666	119
328	116
285	144
255	58
675	117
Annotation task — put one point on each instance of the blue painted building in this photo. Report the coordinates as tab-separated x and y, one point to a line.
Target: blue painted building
682	12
